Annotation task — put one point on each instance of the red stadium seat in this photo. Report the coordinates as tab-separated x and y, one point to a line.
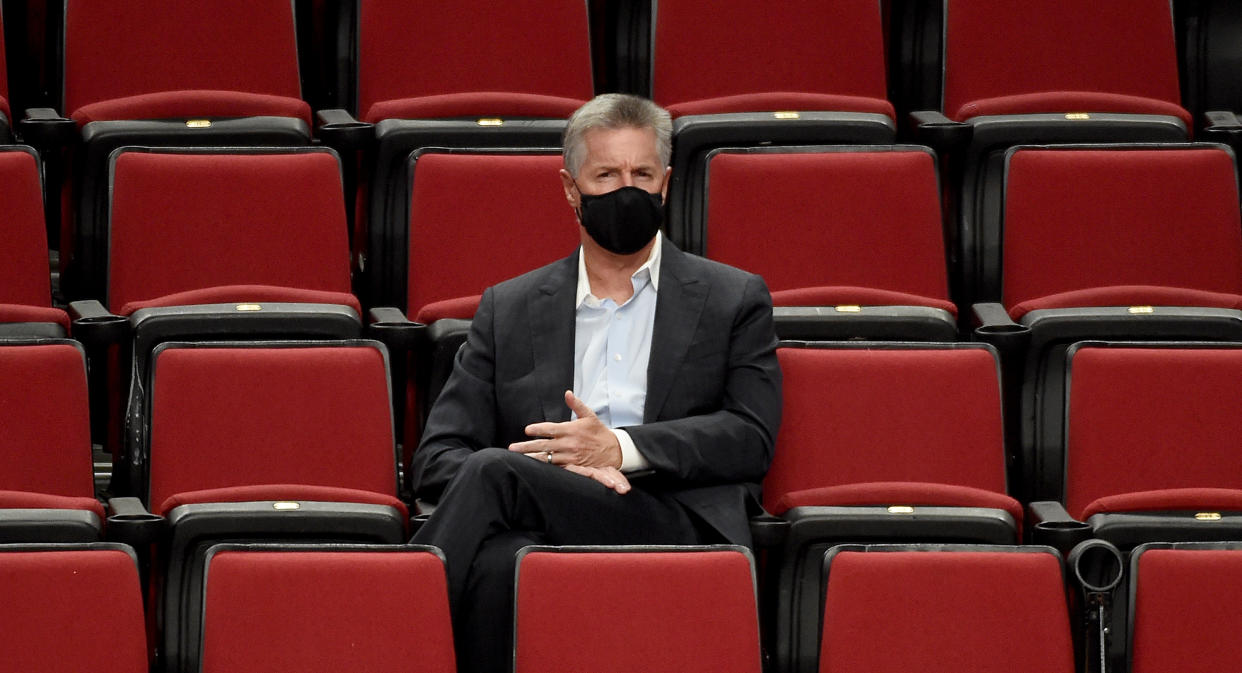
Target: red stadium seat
855	227
1174	406
47	486
470	75
53	598
25	286
789	73
157	74
1095	242
937	609
265	440
880	442
325	608
687	609
1180	592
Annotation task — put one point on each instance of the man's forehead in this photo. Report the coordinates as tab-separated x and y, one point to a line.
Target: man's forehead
627	144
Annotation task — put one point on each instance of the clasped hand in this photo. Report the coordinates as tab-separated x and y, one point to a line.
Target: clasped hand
584	446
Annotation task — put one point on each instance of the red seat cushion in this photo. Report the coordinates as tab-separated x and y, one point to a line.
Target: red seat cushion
24	277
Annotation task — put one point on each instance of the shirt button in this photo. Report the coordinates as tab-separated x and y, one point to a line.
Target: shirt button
617	357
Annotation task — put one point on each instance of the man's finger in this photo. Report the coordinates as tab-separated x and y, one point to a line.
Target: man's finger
578	406
545	429
534	446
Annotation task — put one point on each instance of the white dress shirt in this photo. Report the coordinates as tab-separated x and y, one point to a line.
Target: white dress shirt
612	345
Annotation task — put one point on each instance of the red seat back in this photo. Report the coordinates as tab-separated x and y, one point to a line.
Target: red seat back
24	277
855	416
1080	220
234	417
775	56
45	446
1019	56
189	221
945	611
860	219
119	50
672	610
323	610
531	58
1152	419
52	602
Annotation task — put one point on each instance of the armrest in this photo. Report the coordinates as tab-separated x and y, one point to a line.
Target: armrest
768	531
1222	123
941	133
45	129
390	326
131	523
1052	525
94	325
339	130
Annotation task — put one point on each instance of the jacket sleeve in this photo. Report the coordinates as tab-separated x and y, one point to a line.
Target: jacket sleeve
735	441
463	418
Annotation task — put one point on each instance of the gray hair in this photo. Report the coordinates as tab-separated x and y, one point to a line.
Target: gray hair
615	111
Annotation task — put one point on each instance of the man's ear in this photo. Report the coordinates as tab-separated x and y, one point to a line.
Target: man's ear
571	190
668	172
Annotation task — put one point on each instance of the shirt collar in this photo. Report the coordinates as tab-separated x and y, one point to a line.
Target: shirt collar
651	267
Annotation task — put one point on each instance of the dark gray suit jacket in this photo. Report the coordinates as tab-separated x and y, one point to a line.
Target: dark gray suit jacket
713	384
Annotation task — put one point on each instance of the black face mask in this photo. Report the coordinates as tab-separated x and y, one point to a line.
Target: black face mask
623	220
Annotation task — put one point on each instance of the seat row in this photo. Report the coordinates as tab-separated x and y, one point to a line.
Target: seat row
235	89
885	608
294	440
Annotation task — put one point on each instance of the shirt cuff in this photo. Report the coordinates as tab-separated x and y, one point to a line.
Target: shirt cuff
631	459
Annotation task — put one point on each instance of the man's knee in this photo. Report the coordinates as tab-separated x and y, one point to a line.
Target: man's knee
493	465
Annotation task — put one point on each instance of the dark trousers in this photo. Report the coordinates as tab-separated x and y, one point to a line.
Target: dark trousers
501	501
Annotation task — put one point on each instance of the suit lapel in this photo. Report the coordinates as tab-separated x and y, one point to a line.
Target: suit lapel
551	322
678	306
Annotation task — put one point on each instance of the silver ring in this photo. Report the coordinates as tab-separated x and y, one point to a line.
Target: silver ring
549	456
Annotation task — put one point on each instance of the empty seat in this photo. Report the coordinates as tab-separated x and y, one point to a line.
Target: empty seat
1047	72
880	442
325	608
636	608
187	226
25	285
895	608
207	243
150	73
1180	592
1107	241
1009	57
797	73
852	226
47	485
54	597
266	440
478	75
1171	404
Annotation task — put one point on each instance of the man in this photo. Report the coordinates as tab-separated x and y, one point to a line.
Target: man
628	394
